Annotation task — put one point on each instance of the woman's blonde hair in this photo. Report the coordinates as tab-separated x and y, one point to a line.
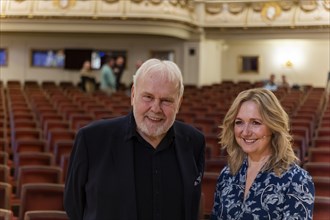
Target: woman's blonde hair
274	117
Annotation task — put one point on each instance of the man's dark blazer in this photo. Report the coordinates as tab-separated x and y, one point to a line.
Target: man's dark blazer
100	184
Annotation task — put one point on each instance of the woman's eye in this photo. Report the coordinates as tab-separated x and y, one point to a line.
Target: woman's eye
238	122
256	123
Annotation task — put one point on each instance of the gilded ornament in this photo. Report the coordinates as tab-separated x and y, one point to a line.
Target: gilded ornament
286	5
213	8
174	2
257	6
308	5
270	12
183	3
156	2
111	1
137	1
64	4
326	4
236	8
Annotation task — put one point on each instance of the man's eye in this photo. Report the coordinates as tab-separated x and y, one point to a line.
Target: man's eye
167	102
147	98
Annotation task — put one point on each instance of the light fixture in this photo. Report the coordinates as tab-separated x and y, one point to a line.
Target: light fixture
288	64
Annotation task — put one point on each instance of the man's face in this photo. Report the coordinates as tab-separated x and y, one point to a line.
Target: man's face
155	102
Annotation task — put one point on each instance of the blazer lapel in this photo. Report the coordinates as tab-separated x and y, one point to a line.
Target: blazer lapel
185	159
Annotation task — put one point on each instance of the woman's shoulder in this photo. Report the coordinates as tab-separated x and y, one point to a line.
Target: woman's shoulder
297	174
225	173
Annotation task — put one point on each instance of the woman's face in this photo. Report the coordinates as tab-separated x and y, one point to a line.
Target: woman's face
253	136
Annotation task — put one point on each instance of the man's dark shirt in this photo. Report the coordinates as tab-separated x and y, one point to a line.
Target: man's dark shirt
158	182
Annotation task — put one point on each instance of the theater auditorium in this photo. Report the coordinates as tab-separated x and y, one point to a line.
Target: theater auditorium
222	47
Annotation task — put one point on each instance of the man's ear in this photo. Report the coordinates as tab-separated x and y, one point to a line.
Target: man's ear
180	102
132	94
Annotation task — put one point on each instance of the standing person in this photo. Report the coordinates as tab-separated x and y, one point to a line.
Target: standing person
142	166
108	79
285	84
87	78
137	66
262	179
119	70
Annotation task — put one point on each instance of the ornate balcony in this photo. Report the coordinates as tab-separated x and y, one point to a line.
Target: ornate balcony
178	18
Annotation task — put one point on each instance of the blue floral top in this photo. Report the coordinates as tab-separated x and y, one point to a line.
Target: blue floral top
289	196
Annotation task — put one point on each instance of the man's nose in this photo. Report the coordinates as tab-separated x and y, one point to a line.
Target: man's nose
156	106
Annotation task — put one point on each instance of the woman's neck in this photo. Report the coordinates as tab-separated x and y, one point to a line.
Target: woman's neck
257	162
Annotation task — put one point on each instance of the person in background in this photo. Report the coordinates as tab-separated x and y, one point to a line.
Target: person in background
285	84
87	78
119	70
262	179
59	58
137	66
138	63
142	166
271	84
108	78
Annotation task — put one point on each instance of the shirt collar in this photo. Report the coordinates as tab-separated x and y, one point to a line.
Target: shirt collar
169	137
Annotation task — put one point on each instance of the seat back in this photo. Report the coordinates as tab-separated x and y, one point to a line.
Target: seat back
322	142
322	186
318	168
6	214
46	215
79	119
37	174
32	158
215	165
23	124
3	144
25	134
35	145
62	147
64	163
54	125
4	173
319	155
41	196
321	208
56	135
5	194
208	189
4	157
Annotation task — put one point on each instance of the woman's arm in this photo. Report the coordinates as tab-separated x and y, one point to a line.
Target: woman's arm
299	200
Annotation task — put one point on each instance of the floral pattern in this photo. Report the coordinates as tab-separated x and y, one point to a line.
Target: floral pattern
289	196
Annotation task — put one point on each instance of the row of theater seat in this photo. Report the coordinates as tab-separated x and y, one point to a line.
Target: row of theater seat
38	126
59	110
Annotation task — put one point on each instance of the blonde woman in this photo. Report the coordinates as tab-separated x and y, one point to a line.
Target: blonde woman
262	179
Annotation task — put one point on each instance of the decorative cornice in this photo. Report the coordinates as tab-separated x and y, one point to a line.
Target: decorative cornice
64	4
196	14
111	1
